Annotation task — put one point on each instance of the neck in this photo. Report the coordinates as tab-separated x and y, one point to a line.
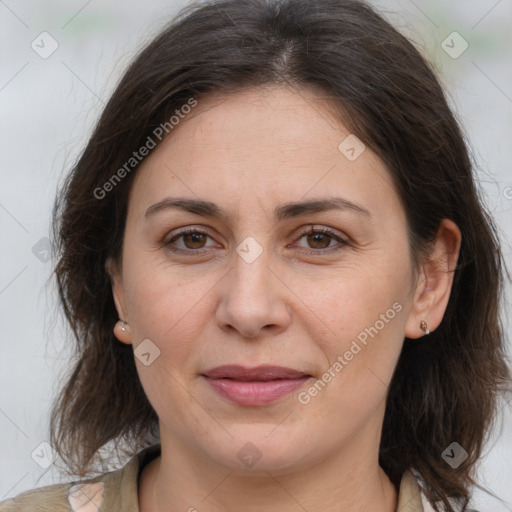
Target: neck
179	481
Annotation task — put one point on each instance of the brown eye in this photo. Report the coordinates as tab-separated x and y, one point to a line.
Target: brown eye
194	240
319	240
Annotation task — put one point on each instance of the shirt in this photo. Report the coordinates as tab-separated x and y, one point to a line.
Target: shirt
117	491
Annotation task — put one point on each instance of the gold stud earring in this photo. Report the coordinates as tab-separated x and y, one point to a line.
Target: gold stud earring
424	327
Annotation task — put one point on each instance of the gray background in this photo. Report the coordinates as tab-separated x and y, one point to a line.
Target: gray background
48	108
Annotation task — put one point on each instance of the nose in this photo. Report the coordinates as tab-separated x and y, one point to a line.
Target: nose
252	300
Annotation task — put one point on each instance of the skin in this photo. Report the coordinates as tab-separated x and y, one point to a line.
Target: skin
250	152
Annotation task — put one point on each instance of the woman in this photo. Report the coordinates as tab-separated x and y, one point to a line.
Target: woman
284	288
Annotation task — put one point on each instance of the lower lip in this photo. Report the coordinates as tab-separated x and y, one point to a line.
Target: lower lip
255	393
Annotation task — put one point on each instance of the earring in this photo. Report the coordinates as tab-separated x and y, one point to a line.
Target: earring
424	327
123	328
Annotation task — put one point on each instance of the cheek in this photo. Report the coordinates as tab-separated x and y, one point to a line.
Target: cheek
348	301
360	358
164	306
166	310
365	312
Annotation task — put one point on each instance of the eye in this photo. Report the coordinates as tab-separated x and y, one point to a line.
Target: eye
193	239
320	240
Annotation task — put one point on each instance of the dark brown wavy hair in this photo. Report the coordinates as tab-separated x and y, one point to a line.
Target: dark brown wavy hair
446	387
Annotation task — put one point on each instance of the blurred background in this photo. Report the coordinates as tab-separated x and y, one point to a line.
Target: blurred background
60	61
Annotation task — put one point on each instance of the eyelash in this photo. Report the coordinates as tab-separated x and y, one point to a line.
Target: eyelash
310	252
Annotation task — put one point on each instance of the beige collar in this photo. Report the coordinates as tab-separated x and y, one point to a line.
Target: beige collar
410	496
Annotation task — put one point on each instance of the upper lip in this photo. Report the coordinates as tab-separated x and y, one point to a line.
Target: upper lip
262	373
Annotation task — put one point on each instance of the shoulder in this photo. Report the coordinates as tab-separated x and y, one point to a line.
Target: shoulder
72	496
113	491
44	499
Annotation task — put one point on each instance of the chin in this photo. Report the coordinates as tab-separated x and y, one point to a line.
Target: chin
262	449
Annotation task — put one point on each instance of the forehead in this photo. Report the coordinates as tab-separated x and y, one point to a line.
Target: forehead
277	143
272	117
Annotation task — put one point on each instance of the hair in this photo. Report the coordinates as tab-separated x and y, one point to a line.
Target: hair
446	387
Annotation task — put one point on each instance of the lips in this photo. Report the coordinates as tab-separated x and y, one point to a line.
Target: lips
260	373
258	386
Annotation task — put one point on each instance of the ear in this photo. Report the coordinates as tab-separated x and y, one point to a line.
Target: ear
435	281
116	279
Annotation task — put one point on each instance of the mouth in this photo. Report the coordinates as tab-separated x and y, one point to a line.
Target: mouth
256	386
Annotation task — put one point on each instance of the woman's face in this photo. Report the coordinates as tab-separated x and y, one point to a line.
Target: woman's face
252	288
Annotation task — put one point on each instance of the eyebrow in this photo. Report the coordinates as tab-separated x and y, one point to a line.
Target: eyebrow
285	211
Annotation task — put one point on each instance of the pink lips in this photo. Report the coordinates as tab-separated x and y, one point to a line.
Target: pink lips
256	386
